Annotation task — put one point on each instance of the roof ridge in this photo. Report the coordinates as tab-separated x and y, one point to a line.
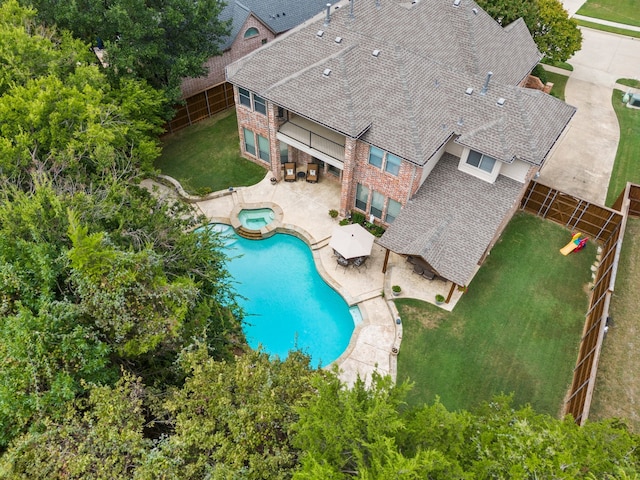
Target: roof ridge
526	121
409	104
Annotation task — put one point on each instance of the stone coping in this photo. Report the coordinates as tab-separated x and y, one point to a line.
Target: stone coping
265	231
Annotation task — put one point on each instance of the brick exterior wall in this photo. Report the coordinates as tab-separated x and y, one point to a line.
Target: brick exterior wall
216	65
356	163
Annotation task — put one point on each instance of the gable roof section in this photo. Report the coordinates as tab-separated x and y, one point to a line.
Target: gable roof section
277	15
450	237
411	98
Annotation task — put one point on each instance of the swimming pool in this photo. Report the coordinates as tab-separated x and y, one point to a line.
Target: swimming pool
255	219
288	304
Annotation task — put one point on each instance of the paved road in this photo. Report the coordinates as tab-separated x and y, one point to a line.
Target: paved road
582	161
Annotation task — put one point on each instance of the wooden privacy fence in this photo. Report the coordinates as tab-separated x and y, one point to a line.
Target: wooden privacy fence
202	105
607	227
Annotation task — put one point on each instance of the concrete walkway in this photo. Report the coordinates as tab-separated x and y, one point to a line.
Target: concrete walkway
583	160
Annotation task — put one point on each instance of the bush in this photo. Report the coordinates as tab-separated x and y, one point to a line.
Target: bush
333	213
540	72
357	217
344	221
376	230
202	191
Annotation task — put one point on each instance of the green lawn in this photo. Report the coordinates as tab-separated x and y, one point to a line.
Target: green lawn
563	65
626	167
205	157
620	11
559	84
516	330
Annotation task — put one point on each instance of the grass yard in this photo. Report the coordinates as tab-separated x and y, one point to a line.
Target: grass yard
617	384
205	157
516	330
559	84
620	11
626	167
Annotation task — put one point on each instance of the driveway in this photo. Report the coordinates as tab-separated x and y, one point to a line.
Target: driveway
582	161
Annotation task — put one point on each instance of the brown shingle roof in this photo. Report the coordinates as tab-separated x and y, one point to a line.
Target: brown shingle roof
410	99
452	219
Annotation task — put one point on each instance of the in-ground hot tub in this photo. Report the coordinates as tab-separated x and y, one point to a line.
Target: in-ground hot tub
255	219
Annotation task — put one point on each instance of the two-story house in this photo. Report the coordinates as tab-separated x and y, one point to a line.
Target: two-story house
417	109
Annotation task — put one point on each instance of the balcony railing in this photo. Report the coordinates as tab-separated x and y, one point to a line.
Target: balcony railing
315	136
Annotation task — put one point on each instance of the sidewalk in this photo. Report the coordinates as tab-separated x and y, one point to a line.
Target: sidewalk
606	22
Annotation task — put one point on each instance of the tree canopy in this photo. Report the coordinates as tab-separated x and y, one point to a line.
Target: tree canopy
159	41
556	35
96	274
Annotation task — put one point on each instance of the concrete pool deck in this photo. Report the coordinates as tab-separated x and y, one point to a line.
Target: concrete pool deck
376	341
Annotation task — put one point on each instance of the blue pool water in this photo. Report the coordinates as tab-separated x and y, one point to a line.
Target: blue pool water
255	219
288	304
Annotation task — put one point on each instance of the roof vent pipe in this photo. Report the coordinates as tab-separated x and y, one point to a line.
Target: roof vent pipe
327	19
485	87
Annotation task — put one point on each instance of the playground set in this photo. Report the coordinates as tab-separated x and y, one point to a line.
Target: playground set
577	243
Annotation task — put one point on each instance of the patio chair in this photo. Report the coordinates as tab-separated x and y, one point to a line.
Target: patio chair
289	172
360	262
428	274
418	269
342	262
312	173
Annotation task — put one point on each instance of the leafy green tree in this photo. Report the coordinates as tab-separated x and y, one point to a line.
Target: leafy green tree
556	35
73	307
77	127
352	432
159	41
232	419
28	50
100	437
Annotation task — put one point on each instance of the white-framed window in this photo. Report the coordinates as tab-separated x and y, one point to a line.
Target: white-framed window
389	162
393	164
245	97
253	101
393	210
375	156
377	204
251	32
259	104
263	148
249	141
483	162
362	197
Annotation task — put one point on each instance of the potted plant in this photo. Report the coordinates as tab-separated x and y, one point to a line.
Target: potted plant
439	299
274	180
333	213
396	290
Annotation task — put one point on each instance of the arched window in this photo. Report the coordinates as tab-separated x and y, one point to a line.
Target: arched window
251	32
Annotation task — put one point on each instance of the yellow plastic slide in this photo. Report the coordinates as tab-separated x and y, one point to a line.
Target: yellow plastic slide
570	247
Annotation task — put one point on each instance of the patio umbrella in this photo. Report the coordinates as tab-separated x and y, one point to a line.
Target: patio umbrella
351	241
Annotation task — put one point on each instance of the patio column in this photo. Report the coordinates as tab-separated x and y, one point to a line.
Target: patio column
346	192
274	123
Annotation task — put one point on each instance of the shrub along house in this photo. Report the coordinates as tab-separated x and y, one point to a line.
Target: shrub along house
417	109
